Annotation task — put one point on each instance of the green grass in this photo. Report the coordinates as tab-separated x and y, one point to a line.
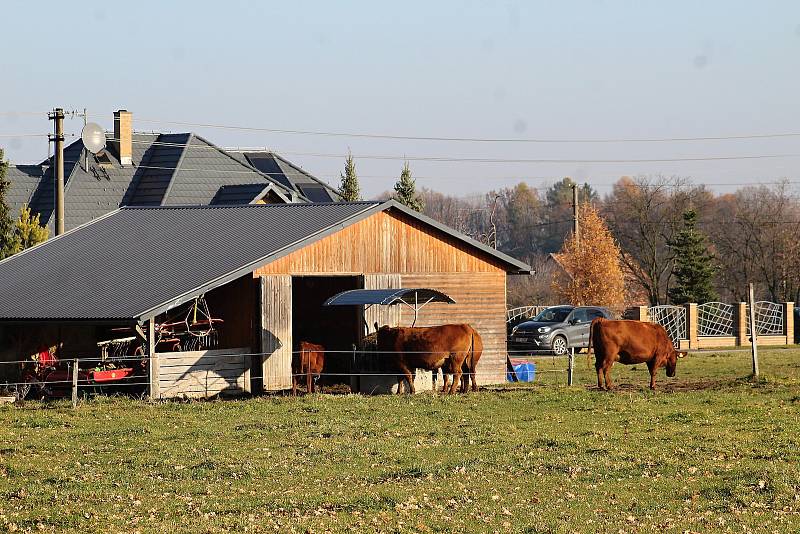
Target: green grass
711	451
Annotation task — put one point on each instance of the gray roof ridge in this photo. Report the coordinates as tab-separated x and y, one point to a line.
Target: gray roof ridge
247	206
305	172
177	169
68	180
343	223
286	192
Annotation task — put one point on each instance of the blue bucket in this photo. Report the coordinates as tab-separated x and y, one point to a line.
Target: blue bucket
526	372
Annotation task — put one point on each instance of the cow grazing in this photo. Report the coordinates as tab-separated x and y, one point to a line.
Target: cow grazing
430	348
307	362
631	342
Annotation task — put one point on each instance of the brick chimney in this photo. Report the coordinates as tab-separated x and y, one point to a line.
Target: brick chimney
123	135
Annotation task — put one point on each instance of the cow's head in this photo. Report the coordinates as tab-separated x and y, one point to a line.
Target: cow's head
672	361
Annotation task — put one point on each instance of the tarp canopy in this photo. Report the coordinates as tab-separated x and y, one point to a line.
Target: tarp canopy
386	297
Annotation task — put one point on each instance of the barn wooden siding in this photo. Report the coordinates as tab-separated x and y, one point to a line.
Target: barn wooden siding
276	331
385	248
480	301
204	373
383	243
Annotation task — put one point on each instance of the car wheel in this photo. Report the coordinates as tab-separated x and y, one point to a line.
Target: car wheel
560	345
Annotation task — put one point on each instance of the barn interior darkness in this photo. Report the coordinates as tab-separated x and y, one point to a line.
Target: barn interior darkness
336	328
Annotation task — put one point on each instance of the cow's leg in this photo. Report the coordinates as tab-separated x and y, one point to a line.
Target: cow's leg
411	377
607	374
651	366
598	365
294	384
445	380
456	363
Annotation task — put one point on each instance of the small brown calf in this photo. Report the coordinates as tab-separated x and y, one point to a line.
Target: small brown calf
307	362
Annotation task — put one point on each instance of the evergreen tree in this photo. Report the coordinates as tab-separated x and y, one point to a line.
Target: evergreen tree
694	264
8	244
406	190
349	189
28	231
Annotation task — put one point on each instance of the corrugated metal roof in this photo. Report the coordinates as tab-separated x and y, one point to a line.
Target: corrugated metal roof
137	260
387	297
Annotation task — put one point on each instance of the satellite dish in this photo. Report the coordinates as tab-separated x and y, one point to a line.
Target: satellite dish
93	137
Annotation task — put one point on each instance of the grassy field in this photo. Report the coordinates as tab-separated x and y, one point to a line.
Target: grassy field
711	451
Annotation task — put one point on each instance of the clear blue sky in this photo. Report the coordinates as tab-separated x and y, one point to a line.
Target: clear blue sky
592	69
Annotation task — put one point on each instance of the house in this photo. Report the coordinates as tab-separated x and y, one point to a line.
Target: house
264	270
158	169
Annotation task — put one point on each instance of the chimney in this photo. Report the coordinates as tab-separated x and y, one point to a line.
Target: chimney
123	136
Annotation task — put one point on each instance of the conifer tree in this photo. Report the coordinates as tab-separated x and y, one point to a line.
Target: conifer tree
695	267
349	189
7	238
406	190
591	273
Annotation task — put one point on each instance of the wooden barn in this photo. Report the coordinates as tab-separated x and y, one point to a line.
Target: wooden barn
253	277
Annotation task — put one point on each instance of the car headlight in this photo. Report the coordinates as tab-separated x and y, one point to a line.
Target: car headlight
544	329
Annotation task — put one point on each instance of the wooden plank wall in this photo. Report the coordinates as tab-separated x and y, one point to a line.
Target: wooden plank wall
480	301
383	243
382	314
204	373
276	331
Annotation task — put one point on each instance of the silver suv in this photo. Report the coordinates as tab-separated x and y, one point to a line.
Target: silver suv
556	329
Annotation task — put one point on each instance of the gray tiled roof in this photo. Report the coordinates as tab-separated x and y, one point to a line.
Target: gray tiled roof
24	180
291	176
137	262
167	169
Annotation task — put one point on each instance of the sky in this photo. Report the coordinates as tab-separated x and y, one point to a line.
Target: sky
570	70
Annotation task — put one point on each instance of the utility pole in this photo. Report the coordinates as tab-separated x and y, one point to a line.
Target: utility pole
575	228
57	115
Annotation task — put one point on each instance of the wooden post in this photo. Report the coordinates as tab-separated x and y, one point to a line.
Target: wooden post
788	322
692	324
570	365
740	323
75	383
153	367
753	334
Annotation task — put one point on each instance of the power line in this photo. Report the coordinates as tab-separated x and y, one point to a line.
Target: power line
456	159
474	139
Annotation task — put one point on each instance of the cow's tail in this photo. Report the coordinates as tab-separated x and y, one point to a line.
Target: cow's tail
589	346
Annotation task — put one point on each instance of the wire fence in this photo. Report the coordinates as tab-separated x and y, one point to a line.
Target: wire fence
130	374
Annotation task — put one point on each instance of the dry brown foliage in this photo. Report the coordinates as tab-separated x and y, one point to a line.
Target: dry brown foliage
592	269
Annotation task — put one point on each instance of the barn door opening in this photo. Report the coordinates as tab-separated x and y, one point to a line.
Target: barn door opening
335	328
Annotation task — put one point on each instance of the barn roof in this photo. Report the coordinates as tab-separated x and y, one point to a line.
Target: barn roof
137	262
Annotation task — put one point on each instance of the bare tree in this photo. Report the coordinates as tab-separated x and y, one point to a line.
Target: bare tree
644	213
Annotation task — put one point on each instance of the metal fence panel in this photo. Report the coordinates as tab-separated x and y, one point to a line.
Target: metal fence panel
673	319
769	318
715	319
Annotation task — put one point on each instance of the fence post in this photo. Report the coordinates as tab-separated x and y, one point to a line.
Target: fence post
692	325
788	322
753	333
641	313
153	366
75	383
570	365
740	324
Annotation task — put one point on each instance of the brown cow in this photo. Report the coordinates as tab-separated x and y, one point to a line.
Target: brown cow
430	348
470	368
307	361
631	342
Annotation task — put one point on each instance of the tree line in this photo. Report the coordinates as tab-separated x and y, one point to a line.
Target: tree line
677	241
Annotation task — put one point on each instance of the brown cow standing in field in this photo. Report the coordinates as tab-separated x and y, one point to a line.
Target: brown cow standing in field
631	342
430	348
307	361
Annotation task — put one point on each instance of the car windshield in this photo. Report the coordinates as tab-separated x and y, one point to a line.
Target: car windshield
553	315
